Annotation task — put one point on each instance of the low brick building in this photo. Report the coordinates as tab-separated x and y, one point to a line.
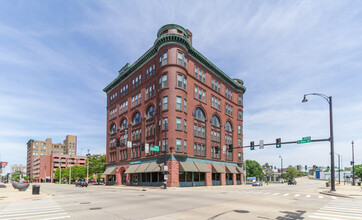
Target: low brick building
175	107
44	166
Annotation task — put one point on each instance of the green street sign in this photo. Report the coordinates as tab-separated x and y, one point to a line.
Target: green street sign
155	148
306	138
303	141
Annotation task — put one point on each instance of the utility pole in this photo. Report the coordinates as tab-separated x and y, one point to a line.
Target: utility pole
281	164
353	183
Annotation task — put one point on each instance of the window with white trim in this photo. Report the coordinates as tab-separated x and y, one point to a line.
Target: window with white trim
178	103
179	124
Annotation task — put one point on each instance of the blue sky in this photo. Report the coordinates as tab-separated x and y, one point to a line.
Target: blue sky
57	56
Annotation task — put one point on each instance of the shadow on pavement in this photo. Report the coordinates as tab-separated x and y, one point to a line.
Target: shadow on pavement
2	186
292	215
237	211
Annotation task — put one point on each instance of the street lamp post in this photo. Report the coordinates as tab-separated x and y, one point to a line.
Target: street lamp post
331	139
281	165
88	154
45	173
165	147
353	183
60	172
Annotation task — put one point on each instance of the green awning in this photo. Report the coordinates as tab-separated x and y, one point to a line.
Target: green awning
110	171
142	168
188	167
231	169
217	168
154	167
203	168
132	168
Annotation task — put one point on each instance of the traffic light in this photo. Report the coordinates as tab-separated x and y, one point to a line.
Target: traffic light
305	167
230	148
252	145
279	142
216	150
142	146
118	142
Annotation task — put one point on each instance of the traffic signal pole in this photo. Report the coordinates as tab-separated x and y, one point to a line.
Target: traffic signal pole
288	142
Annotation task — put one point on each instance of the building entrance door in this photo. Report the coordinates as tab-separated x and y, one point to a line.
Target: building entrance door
124	178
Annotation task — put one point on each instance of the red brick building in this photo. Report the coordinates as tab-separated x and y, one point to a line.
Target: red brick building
44	166
174	98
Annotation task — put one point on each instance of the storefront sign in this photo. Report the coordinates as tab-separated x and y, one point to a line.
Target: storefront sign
135	162
147	148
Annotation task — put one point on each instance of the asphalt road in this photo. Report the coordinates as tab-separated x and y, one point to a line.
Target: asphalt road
273	201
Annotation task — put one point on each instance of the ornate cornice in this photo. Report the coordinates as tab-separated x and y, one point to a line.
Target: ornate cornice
170	38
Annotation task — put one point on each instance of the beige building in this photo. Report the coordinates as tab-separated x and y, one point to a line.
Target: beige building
17	167
37	148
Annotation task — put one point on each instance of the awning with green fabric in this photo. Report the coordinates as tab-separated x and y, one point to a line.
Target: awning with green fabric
132	168
203	168
188	167
231	169
110	171
217	168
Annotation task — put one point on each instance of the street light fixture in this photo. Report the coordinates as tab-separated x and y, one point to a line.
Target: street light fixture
331	139
281	165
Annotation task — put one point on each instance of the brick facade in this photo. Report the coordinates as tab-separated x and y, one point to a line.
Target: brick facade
183	68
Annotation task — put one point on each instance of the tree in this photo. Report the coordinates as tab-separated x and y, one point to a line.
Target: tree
291	173
358	171
253	169
268	170
97	165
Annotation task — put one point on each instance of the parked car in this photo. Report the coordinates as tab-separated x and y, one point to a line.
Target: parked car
81	184
257	183
292	182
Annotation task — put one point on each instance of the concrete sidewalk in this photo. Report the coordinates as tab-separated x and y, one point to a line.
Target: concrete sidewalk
9	194
344	191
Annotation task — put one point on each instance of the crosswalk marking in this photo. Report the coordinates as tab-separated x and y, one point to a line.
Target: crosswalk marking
34	209
286	194
340	209
275	194
296	195
321	197
308	196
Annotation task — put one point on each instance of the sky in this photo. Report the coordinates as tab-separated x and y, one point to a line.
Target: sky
57	56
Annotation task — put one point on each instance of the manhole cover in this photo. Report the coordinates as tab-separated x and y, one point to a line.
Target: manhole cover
82	203
96	208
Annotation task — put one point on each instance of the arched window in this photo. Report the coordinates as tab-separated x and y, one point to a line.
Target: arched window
151	112
124	124
113	129
228	127
215	121
199	114
136	118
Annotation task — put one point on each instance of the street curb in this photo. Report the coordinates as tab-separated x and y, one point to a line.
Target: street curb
329	193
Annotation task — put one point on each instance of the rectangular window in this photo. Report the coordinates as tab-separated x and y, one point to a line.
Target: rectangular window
185	83
178	103
240	115
195	149
185	125
178	124
185	146
239	142
178	145
164	81
239	156
196	72
185	105
185	61
239	129
203	150
164	144
239	100
165	124
179	80
179	58
165	103
164	59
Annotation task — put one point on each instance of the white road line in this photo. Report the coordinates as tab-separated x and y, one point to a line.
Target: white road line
286	194
276	194
267	193
32	213
334	197
308	196
296	195
68	216
339	216
342	209
321	197
312	216
34	216
339	212
30	210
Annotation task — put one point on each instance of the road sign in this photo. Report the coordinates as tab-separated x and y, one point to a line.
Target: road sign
155	148
304	140
165	168
129	144
165	177
147	148
261	144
